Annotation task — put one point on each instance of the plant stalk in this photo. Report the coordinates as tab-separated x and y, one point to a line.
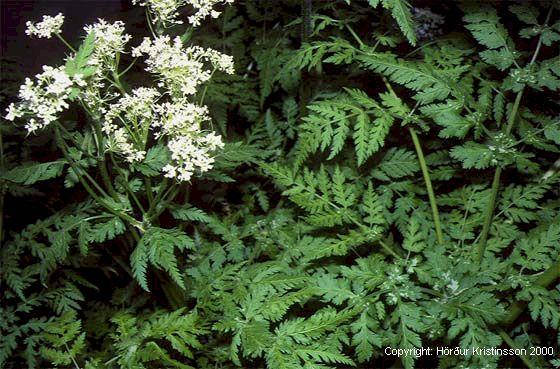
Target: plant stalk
425	171
429	187
526	360
489	215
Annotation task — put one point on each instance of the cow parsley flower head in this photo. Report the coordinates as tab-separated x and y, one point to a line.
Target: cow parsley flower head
180	118
190	153
164	11
135	111
167	11
181	69
44	98
134	107
110	39
204	8
47	27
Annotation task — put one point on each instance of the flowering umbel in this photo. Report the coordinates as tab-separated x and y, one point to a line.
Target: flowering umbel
43	99
126	119
47	27
167	11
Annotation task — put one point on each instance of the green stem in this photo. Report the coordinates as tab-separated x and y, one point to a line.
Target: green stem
526	360
103	167
128	68
64	42
173	191
107	179
92	193
356	37
428	182
203	96
64	147
149	21
149	192
127	188
425	171
489	214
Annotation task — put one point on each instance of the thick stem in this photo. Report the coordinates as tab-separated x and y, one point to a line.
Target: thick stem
526	359
428	182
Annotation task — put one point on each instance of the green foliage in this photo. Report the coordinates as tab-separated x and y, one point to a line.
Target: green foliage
333	120
31	173
312	241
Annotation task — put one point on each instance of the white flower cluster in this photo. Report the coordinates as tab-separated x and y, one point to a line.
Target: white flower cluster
127	123
45	98
191	148
47	27
167	11
110	39
181	69
128	119
203	9
190	153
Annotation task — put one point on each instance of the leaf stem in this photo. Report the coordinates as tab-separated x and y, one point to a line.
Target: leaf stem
65	42
425	171
356	37
127	68
428	182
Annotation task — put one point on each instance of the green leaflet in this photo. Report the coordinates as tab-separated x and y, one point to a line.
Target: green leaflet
333	121
31	173
157	247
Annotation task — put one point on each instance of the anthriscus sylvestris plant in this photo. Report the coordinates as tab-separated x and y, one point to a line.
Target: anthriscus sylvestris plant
136	151
372	177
